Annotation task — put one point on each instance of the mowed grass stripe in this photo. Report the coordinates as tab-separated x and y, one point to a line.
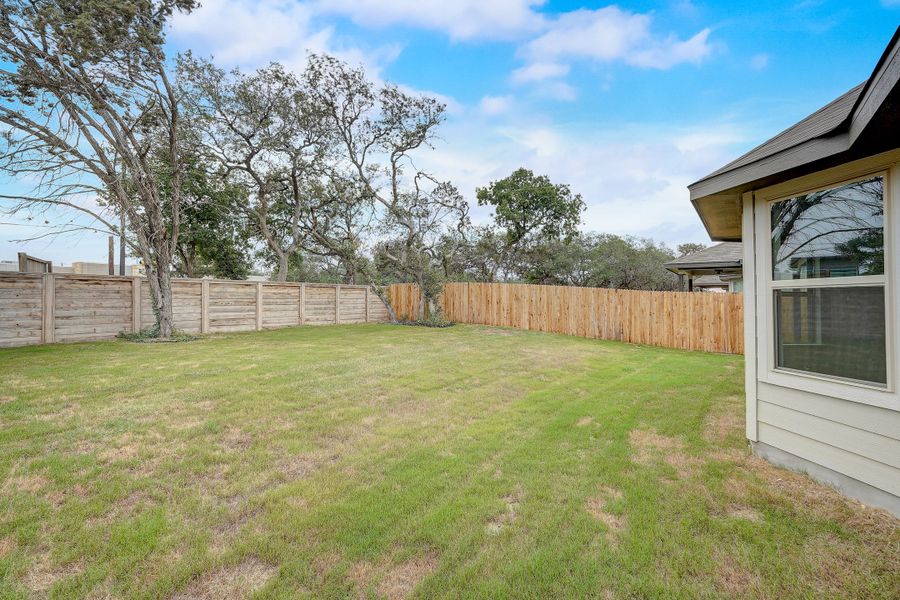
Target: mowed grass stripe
389	461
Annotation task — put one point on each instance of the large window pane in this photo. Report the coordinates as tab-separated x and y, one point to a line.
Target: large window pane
832	233
837	331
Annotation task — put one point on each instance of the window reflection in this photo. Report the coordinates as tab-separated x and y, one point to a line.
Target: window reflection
837	232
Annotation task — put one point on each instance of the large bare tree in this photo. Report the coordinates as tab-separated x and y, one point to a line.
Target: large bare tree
380	128
86	103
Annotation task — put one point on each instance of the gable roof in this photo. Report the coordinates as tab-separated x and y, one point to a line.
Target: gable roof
859	123
727	255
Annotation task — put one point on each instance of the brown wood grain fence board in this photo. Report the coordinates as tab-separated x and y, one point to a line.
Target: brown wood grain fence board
685	320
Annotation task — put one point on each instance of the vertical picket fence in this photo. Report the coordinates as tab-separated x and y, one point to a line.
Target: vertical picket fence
690	321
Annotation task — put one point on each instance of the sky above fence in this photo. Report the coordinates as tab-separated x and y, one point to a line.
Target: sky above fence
628	103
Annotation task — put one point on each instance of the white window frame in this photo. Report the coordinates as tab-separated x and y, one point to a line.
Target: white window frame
884	396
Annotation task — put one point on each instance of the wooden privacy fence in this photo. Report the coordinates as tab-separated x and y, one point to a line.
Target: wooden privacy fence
686	320
41	308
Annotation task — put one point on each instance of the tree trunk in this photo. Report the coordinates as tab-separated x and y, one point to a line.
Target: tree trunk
282	267
420	281
160	281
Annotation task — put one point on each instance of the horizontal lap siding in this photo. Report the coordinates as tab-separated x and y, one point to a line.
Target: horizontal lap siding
860	440
319	308
92	309
20	311
281	306
232	306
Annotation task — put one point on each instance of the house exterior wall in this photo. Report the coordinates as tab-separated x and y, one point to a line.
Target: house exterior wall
846	434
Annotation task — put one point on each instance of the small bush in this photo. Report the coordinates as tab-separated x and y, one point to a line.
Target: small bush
433	320
150	335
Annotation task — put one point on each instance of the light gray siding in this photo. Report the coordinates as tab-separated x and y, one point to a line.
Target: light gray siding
860	440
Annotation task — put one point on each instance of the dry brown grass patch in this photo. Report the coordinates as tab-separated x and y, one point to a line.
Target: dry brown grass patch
596	507
7	545
225	583
584	421
43	574
324	563
236	440
400	580
720	426
733	579
649	446
498	522
27	483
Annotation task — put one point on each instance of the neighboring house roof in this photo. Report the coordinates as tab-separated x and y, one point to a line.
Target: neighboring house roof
862	122
710	281
720	257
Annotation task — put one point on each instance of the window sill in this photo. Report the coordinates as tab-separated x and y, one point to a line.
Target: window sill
851	391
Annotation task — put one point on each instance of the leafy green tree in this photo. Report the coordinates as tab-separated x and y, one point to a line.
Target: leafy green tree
599	260
526	204
215	238
530	209
689	248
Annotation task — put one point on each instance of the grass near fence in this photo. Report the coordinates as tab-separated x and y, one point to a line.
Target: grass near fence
385	461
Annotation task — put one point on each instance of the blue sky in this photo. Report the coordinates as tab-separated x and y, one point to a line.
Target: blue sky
628	102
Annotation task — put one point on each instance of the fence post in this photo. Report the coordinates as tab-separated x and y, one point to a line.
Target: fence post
367	304
135	304
303	304
204	306
337	304
48	308
259	305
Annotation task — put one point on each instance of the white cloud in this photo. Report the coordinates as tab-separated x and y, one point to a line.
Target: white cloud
246	32
251	33
557	90
495	105
538	71
612	34
460	19
634	179
758	62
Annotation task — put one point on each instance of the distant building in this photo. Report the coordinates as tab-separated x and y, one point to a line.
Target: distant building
715	269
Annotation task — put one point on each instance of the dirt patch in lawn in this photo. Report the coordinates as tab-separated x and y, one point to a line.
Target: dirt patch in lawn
584	421
236	581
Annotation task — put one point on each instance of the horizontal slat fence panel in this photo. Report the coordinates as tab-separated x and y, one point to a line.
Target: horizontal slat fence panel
36	308
20	310
685	320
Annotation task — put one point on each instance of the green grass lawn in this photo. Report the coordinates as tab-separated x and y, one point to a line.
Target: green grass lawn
386	461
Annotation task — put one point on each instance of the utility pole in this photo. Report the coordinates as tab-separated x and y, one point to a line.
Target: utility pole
122	243
112	255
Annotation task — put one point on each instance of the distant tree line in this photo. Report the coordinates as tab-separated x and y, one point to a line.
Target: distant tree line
311	176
